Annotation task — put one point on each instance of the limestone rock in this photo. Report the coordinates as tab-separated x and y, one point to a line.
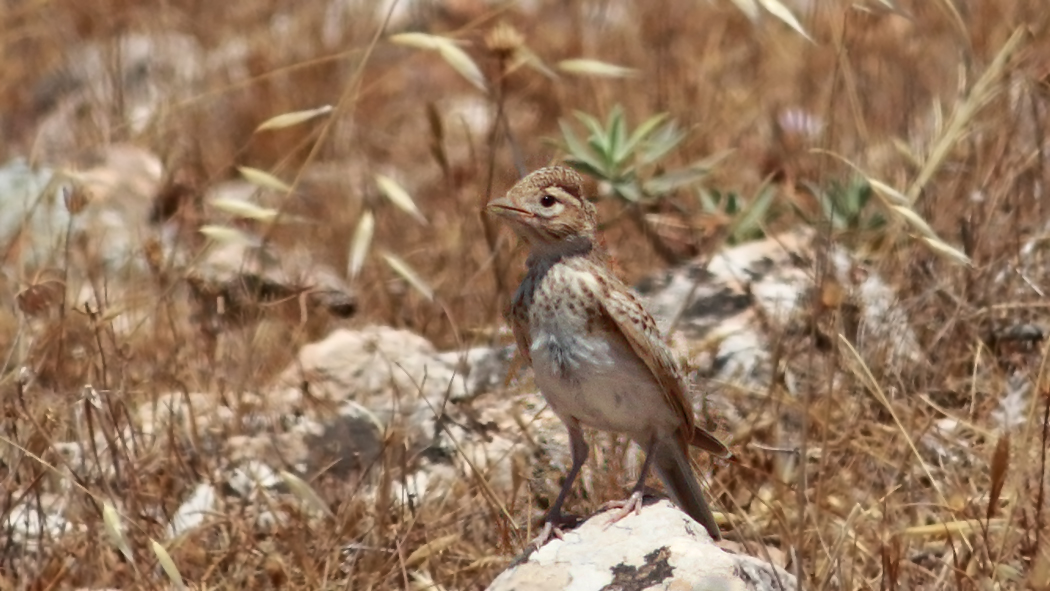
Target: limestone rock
659	548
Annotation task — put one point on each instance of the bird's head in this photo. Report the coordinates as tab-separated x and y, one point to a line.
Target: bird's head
549	211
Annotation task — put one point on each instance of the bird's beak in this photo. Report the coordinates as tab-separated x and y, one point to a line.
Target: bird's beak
504	208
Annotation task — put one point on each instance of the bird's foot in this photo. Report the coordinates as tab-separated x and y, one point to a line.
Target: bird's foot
552	528
548	532
633	504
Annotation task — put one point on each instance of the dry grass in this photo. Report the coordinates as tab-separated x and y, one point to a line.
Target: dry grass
902	98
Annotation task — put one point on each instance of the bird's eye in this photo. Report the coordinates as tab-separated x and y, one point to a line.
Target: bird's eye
548	201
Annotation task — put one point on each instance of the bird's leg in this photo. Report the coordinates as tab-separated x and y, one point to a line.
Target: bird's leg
633	503
578	450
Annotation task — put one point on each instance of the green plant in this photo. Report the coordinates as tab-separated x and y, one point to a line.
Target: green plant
629	160
631	163
847	206
746	216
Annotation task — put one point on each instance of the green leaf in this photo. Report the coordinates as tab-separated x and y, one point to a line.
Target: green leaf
676	179
591	123
642	132
665	140
864	193
617	135
732	204
802	213
598	140
587	168
629	191
827	205
832	214
714	159
709	200
580	152
753	214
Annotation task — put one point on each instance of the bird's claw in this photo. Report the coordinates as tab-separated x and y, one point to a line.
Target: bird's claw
552	528
548	532
633	504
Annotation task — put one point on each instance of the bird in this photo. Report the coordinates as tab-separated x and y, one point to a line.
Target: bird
597	355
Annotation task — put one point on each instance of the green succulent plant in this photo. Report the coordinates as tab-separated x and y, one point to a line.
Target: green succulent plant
848	206
630	161
632	164
747	217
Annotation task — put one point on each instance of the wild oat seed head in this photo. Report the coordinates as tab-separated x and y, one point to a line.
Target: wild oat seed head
76	198
504	40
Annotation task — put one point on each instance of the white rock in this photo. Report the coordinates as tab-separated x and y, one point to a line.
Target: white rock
752	289
659	548
251	476
29	522
193	510
388	371
119	182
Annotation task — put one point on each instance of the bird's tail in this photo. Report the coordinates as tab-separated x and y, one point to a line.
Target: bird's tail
702	439
672	466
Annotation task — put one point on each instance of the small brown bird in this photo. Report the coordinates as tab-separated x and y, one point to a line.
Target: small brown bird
598	358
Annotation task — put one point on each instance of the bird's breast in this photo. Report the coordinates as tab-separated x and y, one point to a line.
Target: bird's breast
562	324
567	354
583	364
598	381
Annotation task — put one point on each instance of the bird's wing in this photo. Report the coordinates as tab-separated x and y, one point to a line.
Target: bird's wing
638	327
517	315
